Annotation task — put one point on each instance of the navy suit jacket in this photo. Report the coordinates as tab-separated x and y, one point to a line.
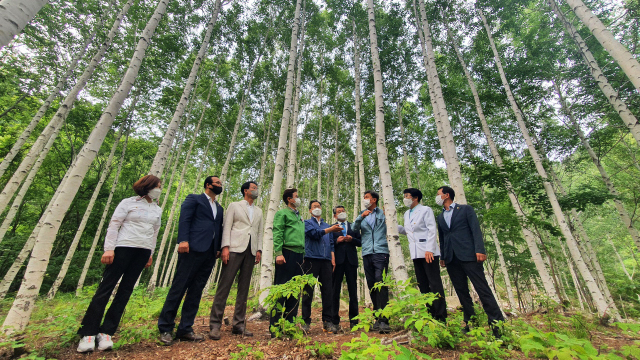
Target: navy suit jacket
197	225
346	251
464	237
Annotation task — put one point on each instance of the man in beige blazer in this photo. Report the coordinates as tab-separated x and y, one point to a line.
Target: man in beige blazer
241	250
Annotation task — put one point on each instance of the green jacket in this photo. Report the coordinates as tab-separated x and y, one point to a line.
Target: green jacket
288	232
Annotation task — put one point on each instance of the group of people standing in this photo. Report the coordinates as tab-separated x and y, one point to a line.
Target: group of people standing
313	246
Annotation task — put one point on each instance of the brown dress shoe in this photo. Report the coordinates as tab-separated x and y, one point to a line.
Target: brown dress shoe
214	334
191	337
241	331
166	338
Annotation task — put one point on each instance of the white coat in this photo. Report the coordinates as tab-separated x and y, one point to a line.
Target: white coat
238	228
420	228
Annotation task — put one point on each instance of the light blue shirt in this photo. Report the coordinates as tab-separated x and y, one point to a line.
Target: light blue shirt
371	219
344	228
448	214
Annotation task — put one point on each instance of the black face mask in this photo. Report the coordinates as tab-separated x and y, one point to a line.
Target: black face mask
216	189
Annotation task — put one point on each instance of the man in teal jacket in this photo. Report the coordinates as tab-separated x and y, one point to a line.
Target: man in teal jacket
375	253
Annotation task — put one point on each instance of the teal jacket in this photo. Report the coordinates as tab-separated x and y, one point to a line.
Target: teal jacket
374	241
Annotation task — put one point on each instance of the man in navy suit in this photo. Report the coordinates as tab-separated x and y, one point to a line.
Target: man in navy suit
462	252
346	255
199	239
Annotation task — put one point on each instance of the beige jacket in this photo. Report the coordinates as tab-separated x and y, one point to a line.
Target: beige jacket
238	229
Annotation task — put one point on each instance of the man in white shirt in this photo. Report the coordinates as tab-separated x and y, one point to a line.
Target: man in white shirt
241	250
420	228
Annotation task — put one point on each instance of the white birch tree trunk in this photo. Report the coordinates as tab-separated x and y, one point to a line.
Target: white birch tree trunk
336	155
20	312
622	212
359	153
320	139
172	266
17	201
618	52
153	281
161	155
103	218
572	245
609	92
61	114
528	235
15	15
624	268
293	136
24	136
447	142
85	218
201	168
266	149
232	144
26	249
165	268
393	239
266	273
169	185
405	157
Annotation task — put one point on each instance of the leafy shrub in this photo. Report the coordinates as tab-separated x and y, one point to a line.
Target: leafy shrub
366	348
247	352
322	351
292	288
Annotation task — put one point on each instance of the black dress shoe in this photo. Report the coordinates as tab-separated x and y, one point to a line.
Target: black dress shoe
384	328
166	338
496	332
241	332
191	336
352	325
465	330
375	326
214	334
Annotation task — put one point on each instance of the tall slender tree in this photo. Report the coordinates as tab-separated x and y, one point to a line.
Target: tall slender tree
266	273
393	238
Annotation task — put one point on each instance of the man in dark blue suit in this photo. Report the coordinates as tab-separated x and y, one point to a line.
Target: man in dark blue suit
346	255
199	239
462	252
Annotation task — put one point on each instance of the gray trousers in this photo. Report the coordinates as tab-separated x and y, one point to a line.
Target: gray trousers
238	262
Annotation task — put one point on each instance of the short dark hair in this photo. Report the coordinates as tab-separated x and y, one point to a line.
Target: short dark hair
338	207
209	180
246	185
145	184
314	201
374	195
415	193
448	190
288	194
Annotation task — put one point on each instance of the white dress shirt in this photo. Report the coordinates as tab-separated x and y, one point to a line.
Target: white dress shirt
135	223
214	208
250	209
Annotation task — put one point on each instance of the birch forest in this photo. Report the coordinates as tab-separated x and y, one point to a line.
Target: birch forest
528	109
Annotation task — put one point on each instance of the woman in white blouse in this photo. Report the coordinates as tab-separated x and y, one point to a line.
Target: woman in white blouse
128	249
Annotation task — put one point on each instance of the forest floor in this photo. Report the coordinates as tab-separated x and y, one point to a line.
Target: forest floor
51	335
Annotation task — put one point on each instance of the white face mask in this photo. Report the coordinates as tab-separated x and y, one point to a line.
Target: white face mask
296	202
439	200
316	212
407	202
342	216
154	194
366	203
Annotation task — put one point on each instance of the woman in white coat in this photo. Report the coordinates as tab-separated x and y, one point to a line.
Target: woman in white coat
420	228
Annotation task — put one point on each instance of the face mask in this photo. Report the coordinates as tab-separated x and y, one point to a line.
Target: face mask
342	216
407	202
439	200
216	189
316	212
154	194
366	203
296	202
254	194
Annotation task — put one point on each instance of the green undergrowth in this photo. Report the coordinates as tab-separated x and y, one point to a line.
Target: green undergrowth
552	334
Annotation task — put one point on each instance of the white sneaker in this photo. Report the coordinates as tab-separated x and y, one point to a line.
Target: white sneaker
104	342
87	344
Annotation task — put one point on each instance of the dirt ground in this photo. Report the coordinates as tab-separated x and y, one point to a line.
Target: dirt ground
274	349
